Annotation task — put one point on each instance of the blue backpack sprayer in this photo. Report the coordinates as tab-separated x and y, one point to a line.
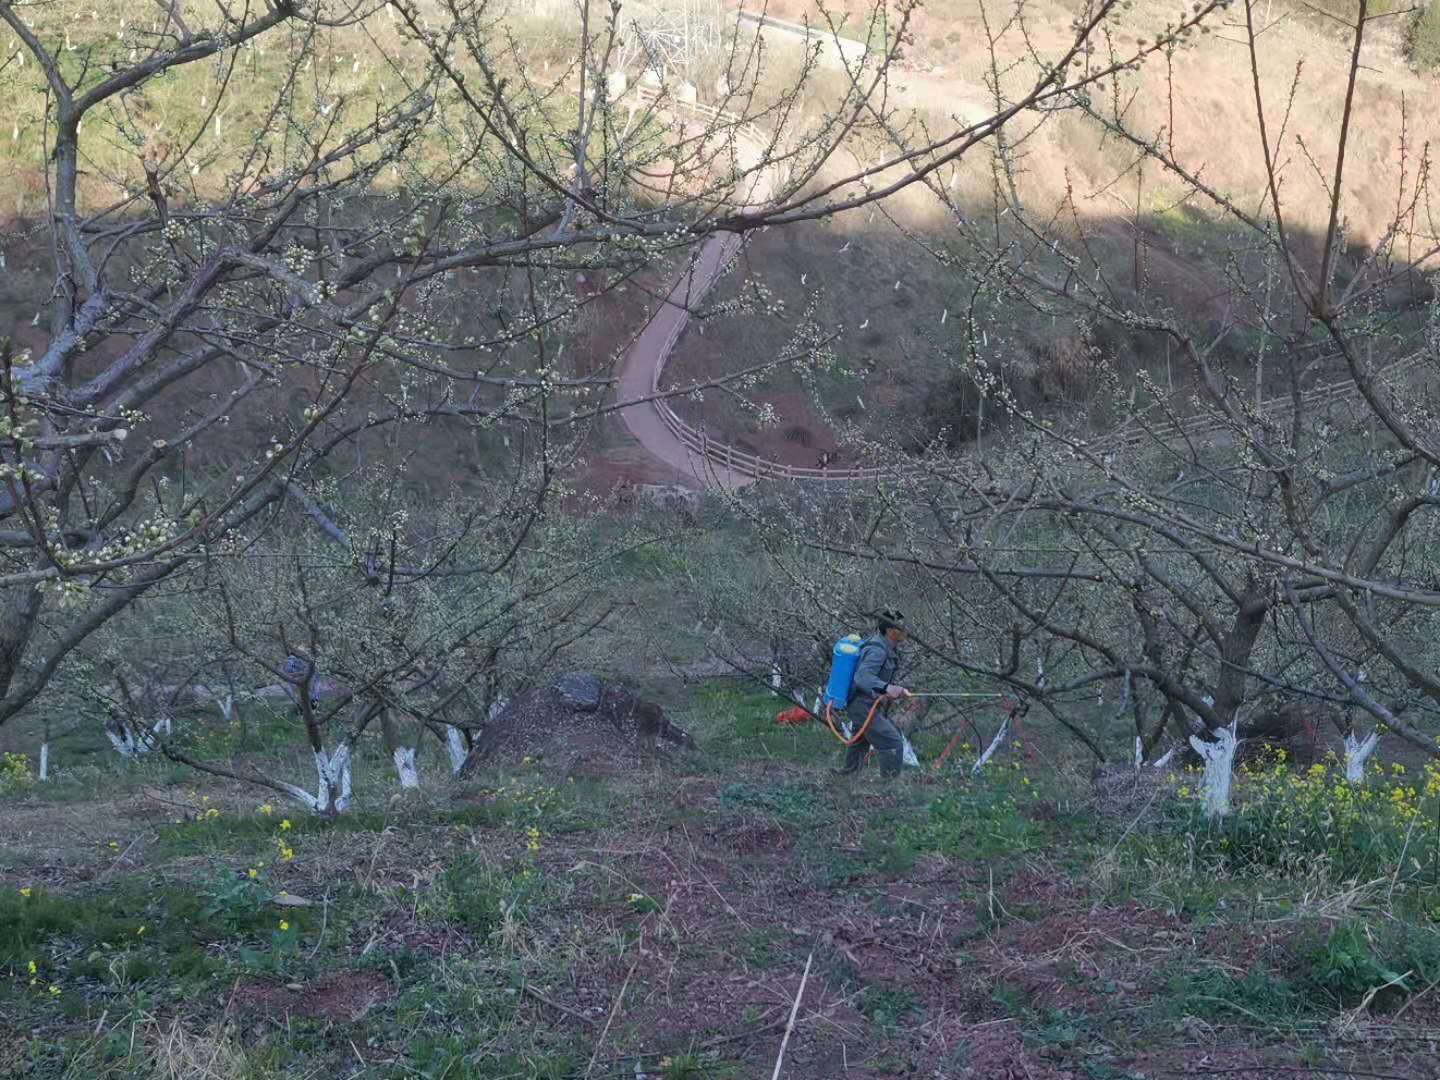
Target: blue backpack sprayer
844	660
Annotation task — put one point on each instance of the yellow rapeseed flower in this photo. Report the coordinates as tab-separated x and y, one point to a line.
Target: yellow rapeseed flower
25	892
31	967
254	873
285	824
54	990
284	925
266	809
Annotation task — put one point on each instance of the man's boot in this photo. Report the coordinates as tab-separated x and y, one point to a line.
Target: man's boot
854	760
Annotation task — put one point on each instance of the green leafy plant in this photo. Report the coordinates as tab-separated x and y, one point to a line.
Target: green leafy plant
1346	967
15	774
889	1006
481	896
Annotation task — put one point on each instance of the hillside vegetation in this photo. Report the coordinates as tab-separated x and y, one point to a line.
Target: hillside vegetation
896	288
361	717
616	917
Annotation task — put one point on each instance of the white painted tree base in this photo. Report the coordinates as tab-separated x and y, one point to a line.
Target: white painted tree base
455	749
1219	758
405	769
1357	753
44	762
125	742
332	783
994	745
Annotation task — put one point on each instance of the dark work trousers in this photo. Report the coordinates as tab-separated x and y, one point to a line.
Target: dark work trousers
882	736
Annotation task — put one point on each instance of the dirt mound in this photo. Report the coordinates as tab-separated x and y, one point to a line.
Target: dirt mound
545	723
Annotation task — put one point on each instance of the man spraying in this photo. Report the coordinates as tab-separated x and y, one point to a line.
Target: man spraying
879	659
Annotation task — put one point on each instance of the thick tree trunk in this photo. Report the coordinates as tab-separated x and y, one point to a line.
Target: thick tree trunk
1357	753
455	748
128	739
405	771
19	608
1219	758
1235	653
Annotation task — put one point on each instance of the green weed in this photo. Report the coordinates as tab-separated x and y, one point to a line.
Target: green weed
982	821
763	947
485	898
1356	961
1218	994
455	1058
15	774
787	803
889	1006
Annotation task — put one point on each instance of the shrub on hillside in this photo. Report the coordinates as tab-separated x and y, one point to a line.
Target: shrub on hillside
1297	823
1425	37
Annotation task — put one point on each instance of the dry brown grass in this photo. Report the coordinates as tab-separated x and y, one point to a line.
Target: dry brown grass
180	1053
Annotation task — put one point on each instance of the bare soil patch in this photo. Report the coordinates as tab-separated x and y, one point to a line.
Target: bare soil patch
345	996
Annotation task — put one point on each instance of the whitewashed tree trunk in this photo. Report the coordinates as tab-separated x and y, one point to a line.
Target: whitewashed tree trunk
163	726
333	783
1357	753
405	769
994	745
334	774
44	773
1165	758
126	741
1219	758
455	748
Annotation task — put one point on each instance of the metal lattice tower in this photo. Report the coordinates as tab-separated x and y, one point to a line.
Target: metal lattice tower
675	35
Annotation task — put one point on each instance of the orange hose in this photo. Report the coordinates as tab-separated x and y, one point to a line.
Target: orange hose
830	723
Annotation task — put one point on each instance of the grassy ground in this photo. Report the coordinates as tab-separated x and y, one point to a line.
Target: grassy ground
655	919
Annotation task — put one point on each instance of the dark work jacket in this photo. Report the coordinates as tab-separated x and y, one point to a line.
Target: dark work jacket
874	672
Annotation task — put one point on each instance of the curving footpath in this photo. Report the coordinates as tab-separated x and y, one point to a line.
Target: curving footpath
645	360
